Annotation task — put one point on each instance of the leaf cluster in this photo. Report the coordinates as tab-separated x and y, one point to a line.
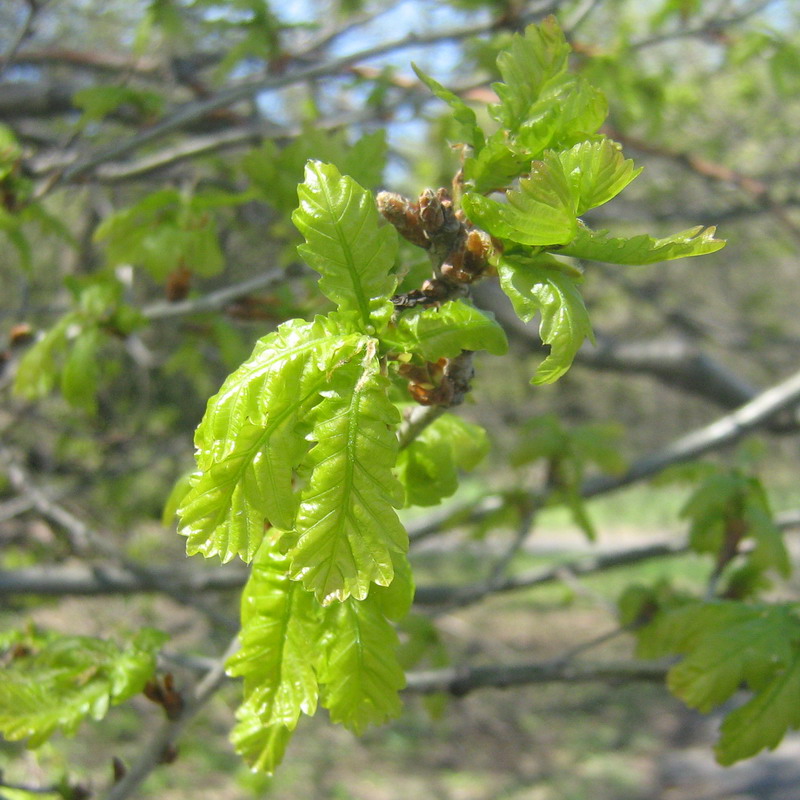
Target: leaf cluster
52	682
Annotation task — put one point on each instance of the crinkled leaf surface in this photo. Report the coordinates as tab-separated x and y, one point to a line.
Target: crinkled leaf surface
345	240
597	172
361	673
251	438
281	632
444	332
541	285
526	66
347	529
428	467
64	679
642	249
541	212
727	645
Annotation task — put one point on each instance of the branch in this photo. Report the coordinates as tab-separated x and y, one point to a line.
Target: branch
472	593
88	580
225	97
459	681
678	363
213	301
170	731
723	432
88	542
24	32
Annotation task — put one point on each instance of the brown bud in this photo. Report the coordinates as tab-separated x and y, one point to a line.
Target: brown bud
403	215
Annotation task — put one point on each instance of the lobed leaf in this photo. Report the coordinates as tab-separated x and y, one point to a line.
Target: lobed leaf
541	212
642	249
428	467
55	682
345	240
526	66
444	332
251	439
275	173
597	172
347	531
281	630
540	285
360	672
729	645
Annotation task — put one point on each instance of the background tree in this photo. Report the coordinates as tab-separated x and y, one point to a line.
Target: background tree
149	162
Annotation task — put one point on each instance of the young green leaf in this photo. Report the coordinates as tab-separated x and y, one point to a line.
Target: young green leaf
727	645
642	249
541	285
275	173
281	628
462	113
444	332
348	533
360	670
495	166
541	212
81	368
762	722
527	65
250	440
597	172
428	467
345	240
57	681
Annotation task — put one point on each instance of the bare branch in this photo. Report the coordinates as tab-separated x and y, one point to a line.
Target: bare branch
197	109
459	681
24	32
213	301
87	542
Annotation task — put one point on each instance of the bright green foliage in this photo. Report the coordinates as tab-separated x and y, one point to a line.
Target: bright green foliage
251	439
360	672
53	682
541	212
642	249
728	510
281	629
10	152
528	65
98	102
348	534
727	645
546	286
597	172
567	453
67	355
275	173
462	113
165	231
428	467
345	242
444	332
295	653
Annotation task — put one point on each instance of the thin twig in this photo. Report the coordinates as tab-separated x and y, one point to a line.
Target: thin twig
87	542
25	30
459	681
415	421
213	301
170	731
